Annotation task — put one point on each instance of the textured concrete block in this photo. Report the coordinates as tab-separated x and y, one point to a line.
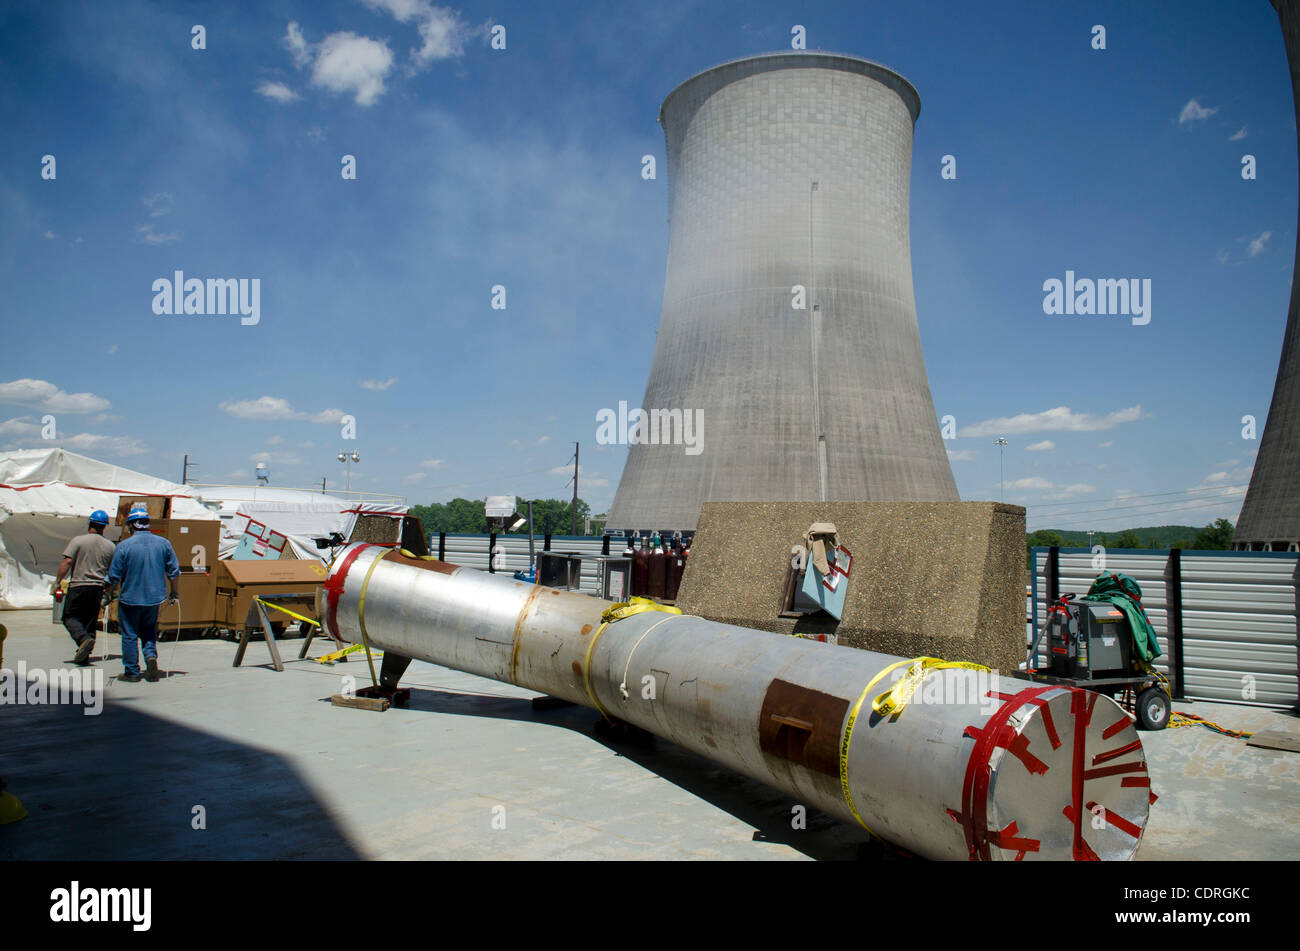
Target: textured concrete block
943	579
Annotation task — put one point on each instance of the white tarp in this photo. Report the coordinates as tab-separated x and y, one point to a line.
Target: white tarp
298	514
46	497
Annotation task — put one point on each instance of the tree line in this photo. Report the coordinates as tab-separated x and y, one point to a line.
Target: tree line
1217	536
467	517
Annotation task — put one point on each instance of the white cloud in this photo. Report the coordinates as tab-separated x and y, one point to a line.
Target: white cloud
1222	256
297	45
442	31
43	395
277	91
1033	482
1214	478
104	445
102	419
415	477
1238	135
356	65
145	234
159	204
50	235
543	441
1194	112
275	408
1059	419
1045	446
433	463
378	384
1257	244
305	445
961	455
112	350
20	426
1070	491
343	62
275	441
1106	445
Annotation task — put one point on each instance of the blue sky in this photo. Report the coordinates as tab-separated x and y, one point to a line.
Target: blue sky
479	167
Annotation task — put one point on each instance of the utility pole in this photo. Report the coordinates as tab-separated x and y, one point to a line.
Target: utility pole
1002	469
185	469
573	528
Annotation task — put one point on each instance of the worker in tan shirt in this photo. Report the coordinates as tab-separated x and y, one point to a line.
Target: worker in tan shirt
85	564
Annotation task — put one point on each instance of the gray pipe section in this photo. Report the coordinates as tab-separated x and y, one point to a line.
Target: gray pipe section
973	767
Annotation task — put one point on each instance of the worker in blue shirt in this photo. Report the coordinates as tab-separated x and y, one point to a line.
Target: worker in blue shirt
146	568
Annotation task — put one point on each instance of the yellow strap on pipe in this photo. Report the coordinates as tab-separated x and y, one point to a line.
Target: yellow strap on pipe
616	613
887	704
276	607
894	700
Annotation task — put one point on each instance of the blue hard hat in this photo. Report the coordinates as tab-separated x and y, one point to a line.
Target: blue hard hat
99	517
139	514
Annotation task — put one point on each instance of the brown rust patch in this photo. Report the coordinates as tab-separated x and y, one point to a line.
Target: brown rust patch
441	567
586	629
802	725
577	668
519	628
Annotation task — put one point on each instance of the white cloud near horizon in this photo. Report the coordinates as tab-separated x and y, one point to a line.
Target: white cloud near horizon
271	408
43	395
1058	419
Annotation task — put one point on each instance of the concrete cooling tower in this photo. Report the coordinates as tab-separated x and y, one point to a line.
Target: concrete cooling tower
788	330
1270	516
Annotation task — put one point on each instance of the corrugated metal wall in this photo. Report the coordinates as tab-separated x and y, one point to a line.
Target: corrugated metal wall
1239	616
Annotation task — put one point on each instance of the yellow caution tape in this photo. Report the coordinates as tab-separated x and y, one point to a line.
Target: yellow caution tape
276	607
337	655
617	613
886	704
892	701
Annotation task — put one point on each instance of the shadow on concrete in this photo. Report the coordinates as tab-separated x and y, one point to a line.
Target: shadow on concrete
123	785
768	810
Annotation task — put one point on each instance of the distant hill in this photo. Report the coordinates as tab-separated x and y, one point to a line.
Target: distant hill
1157	536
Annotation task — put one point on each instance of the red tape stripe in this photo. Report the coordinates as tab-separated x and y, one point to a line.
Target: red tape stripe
1112	754
1118	821
333	585
1115	727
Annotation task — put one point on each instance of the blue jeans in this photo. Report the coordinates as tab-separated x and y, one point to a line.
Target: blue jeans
138	622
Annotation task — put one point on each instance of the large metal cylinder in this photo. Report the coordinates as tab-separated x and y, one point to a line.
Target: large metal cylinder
973	767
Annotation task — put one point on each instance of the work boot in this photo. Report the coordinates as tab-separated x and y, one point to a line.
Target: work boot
129	678
151	670
82	656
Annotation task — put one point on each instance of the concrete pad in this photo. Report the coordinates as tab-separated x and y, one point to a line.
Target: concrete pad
284	774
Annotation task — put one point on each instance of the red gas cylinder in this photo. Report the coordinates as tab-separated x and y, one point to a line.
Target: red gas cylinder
640	571
657	575
676	565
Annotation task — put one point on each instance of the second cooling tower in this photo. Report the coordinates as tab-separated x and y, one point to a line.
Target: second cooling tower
788	333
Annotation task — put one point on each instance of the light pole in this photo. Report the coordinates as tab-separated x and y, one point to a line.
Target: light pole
348	459
1002	469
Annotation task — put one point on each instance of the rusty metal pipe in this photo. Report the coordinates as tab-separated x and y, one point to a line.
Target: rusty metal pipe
975	767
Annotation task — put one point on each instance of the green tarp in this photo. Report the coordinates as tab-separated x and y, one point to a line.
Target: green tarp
1126	594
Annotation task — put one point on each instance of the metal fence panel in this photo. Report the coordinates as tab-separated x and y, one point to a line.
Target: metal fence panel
471	551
